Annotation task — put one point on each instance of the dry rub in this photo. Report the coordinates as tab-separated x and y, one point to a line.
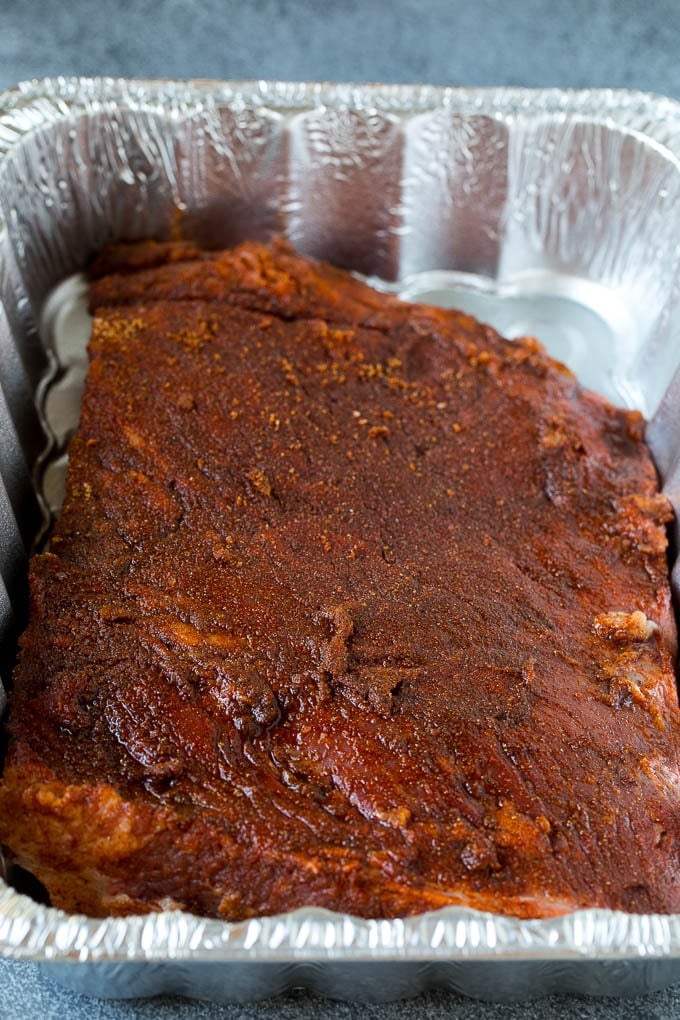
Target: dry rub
352	603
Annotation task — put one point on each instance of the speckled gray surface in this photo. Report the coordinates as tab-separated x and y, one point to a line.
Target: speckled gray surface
608	43
624	44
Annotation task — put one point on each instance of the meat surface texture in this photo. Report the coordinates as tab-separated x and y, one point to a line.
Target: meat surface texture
351	603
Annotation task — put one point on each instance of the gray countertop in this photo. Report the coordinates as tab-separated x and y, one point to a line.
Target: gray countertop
607	43
624	44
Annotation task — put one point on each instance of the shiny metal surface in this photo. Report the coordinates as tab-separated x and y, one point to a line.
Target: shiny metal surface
547	212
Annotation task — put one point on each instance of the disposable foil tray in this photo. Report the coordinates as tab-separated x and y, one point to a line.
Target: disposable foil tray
545	212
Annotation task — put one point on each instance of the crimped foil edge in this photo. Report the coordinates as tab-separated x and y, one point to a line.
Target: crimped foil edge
33	103
31	931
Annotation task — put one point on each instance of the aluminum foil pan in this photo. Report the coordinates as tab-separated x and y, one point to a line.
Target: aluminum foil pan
549	212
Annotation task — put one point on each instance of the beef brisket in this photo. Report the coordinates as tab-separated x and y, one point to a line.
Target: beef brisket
351	603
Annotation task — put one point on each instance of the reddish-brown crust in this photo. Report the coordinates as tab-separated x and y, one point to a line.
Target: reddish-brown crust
351	603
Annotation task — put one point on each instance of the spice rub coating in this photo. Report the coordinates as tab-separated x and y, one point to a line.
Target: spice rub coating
351	603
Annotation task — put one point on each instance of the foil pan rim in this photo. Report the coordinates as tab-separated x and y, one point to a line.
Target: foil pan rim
31	931
33	102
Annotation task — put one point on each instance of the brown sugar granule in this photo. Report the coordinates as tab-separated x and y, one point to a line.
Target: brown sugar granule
351	603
